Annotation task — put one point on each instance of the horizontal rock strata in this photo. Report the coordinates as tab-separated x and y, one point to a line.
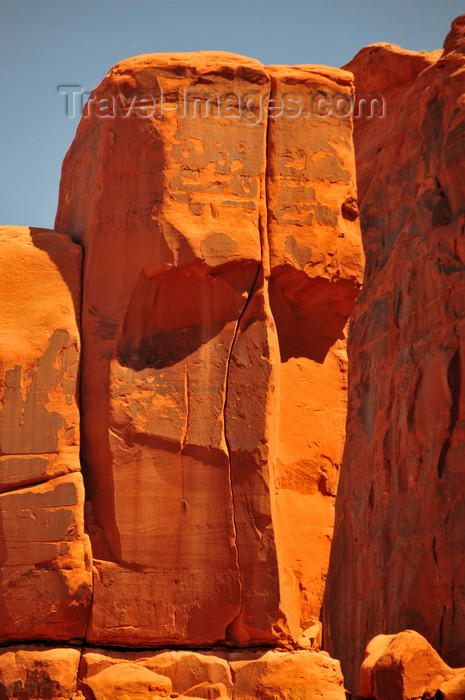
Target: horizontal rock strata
46	576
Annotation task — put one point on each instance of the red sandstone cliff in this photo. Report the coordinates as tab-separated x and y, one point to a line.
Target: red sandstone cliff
221	262
46	576
222	257
191	475
397	559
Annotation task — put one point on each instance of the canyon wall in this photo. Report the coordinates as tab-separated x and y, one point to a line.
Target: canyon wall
210	242
222	258
397	558
167	490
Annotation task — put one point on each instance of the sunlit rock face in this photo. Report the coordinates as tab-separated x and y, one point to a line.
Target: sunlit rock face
40	672
222	259
404	665
397	559
46	578
171	486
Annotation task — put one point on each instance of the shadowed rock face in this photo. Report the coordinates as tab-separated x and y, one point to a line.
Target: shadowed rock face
397	560
209	506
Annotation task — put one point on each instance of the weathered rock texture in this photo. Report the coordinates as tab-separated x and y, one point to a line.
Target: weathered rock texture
398	558
45	579
404	666
36	673
315	260
222	259
39	673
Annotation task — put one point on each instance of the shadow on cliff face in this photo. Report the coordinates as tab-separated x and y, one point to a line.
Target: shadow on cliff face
174	313
310	313
58	246
171	313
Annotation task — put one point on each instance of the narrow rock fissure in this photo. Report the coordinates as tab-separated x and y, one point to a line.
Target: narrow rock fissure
91	604
263	232
83	644
32	484
228	447
183	444
441	627
187	403
78	674
454	381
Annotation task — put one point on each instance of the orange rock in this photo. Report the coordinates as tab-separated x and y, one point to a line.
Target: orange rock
316	268
275	675
192	673
397	558
453	688
313	228
158	326
45	580
240	675
181	366
39	355
37	673
125	681
400	667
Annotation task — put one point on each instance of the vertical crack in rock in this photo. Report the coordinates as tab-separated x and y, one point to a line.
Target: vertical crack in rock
91	602
187	403
441	626
454	381
185	434
435	556
260	281
229	451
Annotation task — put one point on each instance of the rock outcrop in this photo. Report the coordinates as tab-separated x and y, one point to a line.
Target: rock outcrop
221	265
315	259
37	672
222	258
400	667
40	673
169	490
404	666
397	558
46	576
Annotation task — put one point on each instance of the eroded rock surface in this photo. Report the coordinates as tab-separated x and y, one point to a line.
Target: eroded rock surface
40	673
397	559
315	267
188	372
45	578
222	260
400	667
404	666
40	285
37	673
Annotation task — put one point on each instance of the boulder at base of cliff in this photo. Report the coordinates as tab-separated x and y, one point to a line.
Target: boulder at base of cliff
403	666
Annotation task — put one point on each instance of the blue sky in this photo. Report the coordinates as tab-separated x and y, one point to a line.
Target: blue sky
46	43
